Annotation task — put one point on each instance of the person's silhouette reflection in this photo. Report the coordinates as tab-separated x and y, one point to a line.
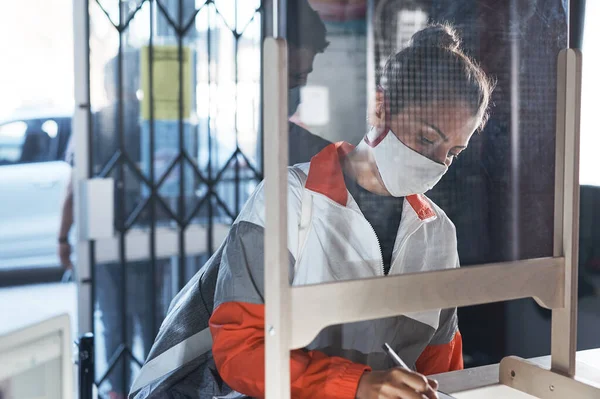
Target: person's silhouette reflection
306	37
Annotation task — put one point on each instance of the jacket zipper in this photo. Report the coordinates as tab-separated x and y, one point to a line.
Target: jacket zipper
382	266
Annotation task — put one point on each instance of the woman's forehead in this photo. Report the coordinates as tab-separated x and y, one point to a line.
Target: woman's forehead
449	118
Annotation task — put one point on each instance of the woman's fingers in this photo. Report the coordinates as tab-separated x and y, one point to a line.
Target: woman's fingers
396	384
433	383
416	381
404	392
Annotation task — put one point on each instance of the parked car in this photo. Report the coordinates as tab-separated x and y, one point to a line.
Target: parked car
33	178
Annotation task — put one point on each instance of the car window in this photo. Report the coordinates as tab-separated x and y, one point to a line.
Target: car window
28	141
12	137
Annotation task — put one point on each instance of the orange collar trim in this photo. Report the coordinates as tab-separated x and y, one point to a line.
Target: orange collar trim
325	177
421	206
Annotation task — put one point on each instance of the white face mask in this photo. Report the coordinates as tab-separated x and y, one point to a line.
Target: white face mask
293	100
403	170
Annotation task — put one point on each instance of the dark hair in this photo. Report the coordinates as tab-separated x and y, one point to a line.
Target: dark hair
305	29
434	68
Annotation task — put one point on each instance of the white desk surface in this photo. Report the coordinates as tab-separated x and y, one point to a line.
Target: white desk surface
483	382
493	392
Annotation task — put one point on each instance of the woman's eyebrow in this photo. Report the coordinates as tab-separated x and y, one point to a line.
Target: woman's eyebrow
435	128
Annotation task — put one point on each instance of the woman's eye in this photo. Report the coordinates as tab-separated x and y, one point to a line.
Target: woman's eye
425	140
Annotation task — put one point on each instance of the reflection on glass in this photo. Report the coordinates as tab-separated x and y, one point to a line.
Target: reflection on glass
417	151
175	92
354	212
367	205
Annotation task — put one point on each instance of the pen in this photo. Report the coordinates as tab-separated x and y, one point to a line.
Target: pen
397	359
400	363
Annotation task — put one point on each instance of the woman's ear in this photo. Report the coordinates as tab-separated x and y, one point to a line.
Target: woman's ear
377	119
377	111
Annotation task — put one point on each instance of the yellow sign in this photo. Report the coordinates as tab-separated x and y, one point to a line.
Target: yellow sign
165	82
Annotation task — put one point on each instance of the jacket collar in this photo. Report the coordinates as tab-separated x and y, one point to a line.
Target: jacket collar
325	177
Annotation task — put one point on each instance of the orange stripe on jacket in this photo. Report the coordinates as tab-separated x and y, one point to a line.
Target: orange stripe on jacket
437	359
237	329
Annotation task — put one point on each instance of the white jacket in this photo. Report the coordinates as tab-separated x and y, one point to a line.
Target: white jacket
329	240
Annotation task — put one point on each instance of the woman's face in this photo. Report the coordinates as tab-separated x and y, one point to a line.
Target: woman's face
440	132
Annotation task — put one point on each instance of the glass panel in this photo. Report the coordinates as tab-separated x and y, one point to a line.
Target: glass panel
169	118
445	124
356	71
447	160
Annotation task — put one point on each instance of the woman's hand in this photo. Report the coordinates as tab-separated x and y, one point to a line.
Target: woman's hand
396	383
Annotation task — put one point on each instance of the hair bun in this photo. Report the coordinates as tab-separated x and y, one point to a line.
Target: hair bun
437	35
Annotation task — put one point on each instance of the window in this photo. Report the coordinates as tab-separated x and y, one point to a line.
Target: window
28	141
12	136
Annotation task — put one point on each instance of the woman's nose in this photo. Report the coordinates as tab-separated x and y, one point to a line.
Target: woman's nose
442	156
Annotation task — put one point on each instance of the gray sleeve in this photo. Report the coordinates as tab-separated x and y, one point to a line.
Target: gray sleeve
241	275
447	328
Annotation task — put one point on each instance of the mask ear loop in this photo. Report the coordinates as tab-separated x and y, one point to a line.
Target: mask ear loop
386	127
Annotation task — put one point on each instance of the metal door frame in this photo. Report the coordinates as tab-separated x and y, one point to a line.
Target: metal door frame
134	244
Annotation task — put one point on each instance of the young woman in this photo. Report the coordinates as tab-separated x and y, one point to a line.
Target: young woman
368	217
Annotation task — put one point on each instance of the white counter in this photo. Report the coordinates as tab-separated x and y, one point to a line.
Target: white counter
483	382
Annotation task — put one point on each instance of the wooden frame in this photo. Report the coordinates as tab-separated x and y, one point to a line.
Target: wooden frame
277	290
294	315
560	380
317	306
543	383
566	238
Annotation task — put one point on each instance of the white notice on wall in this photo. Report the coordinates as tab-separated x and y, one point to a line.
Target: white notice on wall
314	107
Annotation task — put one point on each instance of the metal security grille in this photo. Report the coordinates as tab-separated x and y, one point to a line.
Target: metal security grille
174	119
